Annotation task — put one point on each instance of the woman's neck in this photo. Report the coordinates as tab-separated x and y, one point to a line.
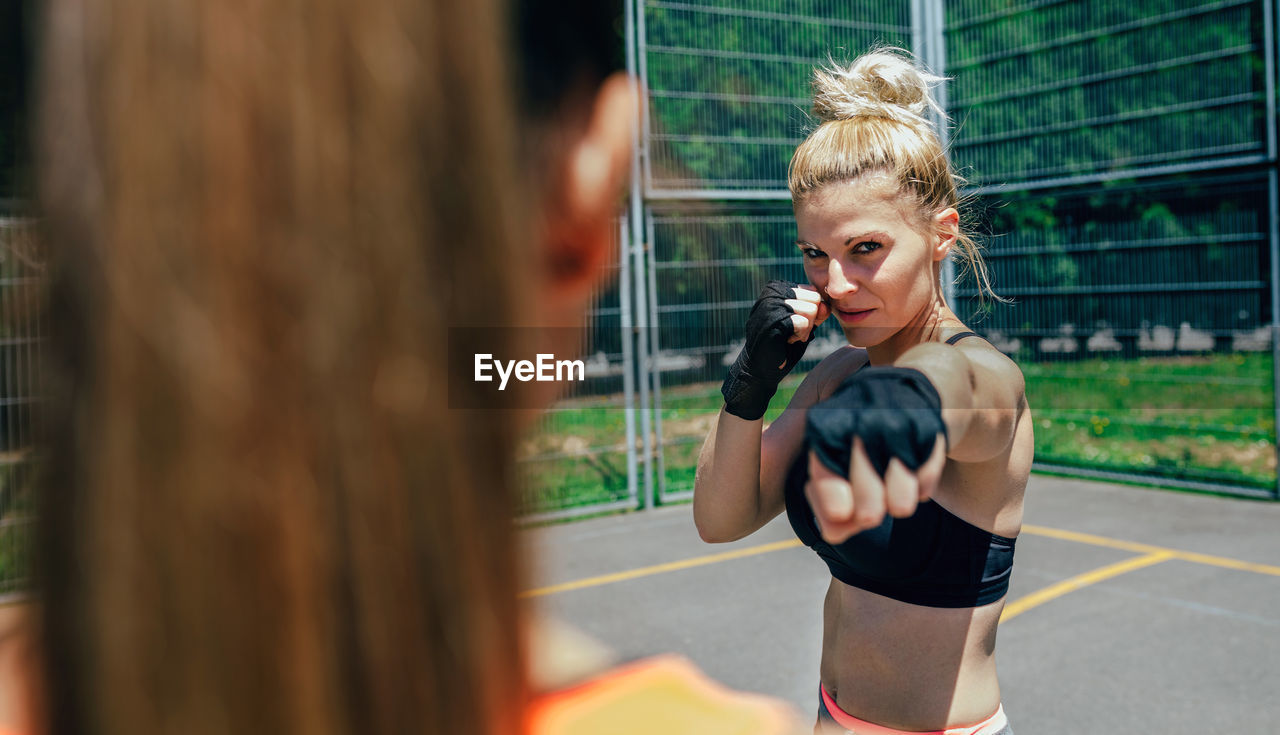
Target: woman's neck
927	326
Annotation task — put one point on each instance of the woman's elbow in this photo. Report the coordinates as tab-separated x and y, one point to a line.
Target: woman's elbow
708	531
714	535
711	528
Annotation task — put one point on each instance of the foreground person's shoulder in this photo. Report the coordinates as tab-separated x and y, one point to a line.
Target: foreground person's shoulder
665	695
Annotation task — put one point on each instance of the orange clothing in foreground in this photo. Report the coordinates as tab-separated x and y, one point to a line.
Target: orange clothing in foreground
666	695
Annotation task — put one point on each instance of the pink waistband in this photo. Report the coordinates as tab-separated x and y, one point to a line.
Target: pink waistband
990	725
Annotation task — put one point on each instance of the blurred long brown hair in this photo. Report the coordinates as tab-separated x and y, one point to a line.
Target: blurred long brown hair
260	515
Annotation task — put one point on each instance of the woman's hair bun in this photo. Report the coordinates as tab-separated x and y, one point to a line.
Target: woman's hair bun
882	83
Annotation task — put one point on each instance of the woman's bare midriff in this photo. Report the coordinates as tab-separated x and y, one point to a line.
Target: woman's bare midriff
906	666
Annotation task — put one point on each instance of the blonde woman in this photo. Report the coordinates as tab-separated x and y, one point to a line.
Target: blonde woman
902	458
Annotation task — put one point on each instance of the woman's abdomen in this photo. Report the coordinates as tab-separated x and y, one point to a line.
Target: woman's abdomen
908	666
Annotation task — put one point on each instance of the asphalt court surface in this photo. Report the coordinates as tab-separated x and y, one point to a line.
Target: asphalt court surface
1131	610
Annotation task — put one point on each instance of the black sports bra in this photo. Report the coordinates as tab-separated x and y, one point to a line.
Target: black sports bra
932	558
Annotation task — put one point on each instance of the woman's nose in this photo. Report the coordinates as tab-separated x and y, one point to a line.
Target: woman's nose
838	286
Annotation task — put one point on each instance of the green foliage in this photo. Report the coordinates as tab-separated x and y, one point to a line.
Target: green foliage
1128	259
1207	418
593	470
1085	86
729	90
16	523
1038	90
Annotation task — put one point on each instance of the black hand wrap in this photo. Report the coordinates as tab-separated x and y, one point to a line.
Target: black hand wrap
896	411
767	357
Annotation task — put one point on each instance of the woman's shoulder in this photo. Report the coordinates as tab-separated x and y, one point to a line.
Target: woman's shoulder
995	364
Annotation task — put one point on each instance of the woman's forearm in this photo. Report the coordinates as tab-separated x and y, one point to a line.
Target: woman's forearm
726	488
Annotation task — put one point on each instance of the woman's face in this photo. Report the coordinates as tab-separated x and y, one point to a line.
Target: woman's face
865	254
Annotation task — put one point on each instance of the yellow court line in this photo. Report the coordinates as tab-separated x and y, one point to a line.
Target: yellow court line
1054	591
1088	538
1058	533
1191	556
697	561
1225	563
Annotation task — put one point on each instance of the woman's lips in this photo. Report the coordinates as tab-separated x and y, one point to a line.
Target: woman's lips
851	316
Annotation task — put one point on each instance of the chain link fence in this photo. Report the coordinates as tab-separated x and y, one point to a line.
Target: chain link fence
583	456
1120	166
727	86
21	275
1046	93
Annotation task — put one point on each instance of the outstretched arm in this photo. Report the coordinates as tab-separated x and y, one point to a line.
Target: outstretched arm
967	401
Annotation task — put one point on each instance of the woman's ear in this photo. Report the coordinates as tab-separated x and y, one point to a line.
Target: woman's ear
947	224
582	216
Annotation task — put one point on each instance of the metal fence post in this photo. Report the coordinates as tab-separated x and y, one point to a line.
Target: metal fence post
936	61
628	356
1269	57
1273	198
634	9
655	351
644	362
1273	218
919	30
642	70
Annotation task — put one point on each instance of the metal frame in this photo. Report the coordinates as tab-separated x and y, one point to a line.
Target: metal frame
21	387
655	350
640	68
654	191
1153	480
629	407
628	359
641	312
936	60
532	519
1096	32
928	29
1201	156
1273	197
637	66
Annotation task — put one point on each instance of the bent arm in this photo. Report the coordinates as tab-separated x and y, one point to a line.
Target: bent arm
982	394
739	485
742	470
727	502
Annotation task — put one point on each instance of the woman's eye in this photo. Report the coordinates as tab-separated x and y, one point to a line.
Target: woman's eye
867	246
813	253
